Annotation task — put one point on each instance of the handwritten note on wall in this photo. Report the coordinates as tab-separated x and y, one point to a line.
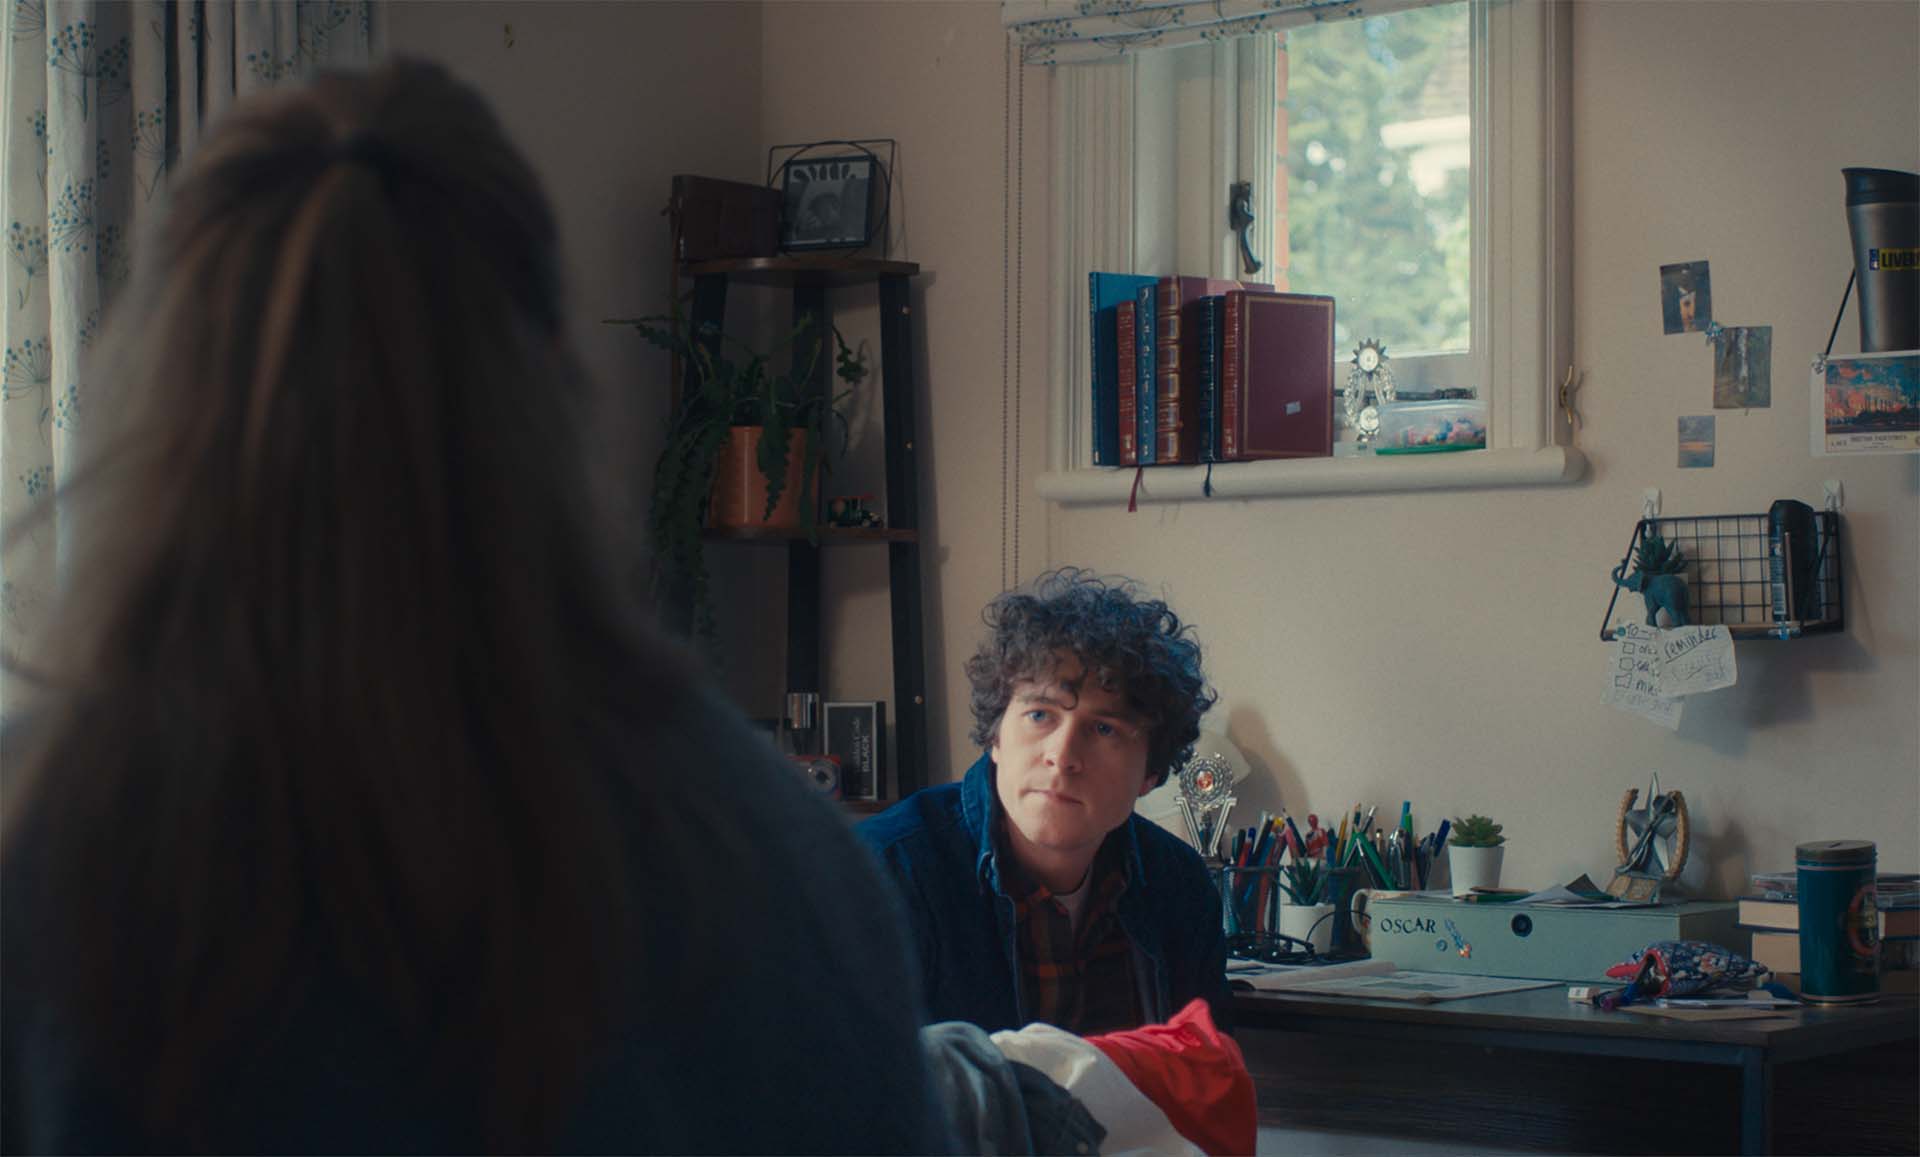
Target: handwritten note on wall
1650	670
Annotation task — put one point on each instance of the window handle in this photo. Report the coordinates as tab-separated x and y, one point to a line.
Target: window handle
1240	217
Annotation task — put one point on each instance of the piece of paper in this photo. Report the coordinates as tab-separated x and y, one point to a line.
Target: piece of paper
1274	977
1703	1013
1421	987
1582	892
1743	368
1693	660
1631	682
1868	404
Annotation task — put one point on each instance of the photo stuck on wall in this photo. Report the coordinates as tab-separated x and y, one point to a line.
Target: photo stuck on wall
1686	297
1743	368
1866	404
1696	441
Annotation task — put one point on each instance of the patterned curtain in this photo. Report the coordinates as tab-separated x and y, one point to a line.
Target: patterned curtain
103	100
1071	31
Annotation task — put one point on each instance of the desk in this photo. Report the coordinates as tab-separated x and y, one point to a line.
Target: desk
1543	1021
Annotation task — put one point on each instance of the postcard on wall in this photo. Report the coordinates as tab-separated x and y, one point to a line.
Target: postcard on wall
1743	368
1866	404
1696	441
1686	297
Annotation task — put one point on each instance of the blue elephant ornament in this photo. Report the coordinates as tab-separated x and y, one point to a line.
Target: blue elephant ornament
1662	592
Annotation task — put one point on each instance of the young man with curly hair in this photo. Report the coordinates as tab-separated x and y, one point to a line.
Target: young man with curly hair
1033	893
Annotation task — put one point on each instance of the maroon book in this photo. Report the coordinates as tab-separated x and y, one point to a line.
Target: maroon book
1276	376
1126	326
1176	421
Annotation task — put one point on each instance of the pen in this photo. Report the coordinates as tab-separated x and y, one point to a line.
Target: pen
1373	863
1440	837
1293	830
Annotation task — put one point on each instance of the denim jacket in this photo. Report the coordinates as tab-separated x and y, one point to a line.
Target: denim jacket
938	846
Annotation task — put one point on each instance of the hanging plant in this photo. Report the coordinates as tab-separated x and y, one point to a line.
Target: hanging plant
731	385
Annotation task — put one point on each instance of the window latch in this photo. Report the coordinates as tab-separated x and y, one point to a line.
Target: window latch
1240	217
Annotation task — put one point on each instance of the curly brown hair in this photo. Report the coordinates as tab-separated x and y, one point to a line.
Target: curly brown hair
1134	646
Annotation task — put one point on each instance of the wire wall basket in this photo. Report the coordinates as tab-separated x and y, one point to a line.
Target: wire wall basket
1741	574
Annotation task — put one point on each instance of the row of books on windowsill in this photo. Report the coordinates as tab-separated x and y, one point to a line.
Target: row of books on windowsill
1192	370
1771	912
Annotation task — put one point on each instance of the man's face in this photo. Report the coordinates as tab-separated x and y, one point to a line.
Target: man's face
1071	762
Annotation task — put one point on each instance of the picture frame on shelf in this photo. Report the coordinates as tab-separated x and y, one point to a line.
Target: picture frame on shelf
827	202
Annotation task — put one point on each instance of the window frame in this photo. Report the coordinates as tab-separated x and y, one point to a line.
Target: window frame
1111	195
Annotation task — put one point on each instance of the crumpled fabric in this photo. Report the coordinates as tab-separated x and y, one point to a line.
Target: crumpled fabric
1683	967
1195	1074
998	1106
1134	1124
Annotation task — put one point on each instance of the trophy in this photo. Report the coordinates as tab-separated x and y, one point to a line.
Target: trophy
1206	796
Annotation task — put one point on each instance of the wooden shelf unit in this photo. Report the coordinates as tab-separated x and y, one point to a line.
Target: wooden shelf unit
808	277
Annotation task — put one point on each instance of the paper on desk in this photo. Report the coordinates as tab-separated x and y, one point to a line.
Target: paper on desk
1581	893
1703	1013
1273	977
1421	987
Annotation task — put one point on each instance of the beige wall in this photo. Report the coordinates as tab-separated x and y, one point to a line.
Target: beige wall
1442	647
608	101
1437	646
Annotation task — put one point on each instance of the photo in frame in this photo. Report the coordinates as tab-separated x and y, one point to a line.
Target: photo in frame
827	202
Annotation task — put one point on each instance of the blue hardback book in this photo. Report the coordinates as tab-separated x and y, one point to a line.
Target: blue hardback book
1105	292
1146	384
1209	314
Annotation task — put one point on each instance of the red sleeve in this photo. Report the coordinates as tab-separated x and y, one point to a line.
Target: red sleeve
1194	1073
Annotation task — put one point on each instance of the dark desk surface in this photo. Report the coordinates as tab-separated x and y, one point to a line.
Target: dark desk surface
1546	1012
1534	1070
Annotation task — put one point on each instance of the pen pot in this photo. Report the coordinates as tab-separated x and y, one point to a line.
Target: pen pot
1342	883
1309	924
1248	897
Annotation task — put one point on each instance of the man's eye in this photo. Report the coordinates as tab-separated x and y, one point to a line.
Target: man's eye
1036	715
1105	729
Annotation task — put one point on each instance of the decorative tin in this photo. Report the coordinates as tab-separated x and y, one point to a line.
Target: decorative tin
1839	922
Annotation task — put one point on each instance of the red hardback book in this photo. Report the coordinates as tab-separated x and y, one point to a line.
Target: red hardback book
1276	376
1129	377
1177	424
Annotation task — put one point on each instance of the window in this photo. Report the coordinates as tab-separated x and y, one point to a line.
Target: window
1413	165
1372	194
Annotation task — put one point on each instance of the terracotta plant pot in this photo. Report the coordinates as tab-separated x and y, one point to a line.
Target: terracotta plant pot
740	490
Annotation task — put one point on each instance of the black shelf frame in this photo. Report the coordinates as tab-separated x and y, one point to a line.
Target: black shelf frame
809	277
1732	579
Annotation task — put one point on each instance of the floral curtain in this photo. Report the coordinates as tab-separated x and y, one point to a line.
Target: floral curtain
103	99
1070	31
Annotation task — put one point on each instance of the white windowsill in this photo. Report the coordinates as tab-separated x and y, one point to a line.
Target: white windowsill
1299	478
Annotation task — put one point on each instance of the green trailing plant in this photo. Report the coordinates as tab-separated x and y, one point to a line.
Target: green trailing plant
732	384
1655	555
1475	832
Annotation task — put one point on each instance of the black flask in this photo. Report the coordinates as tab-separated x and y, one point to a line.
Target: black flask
1792	547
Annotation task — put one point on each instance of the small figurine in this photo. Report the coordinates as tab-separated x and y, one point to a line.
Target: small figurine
851	510
1643	871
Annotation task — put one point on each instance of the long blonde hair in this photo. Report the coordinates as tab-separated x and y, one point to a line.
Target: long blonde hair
344	653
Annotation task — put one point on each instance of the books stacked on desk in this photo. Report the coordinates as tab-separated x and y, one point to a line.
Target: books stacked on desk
1202	369
1771	911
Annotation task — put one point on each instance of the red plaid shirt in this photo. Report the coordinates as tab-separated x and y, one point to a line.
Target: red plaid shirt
1081	982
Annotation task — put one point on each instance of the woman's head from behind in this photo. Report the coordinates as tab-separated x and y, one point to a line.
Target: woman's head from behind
347	357
337	586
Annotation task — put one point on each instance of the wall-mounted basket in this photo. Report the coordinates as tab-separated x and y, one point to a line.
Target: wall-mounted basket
1737	577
